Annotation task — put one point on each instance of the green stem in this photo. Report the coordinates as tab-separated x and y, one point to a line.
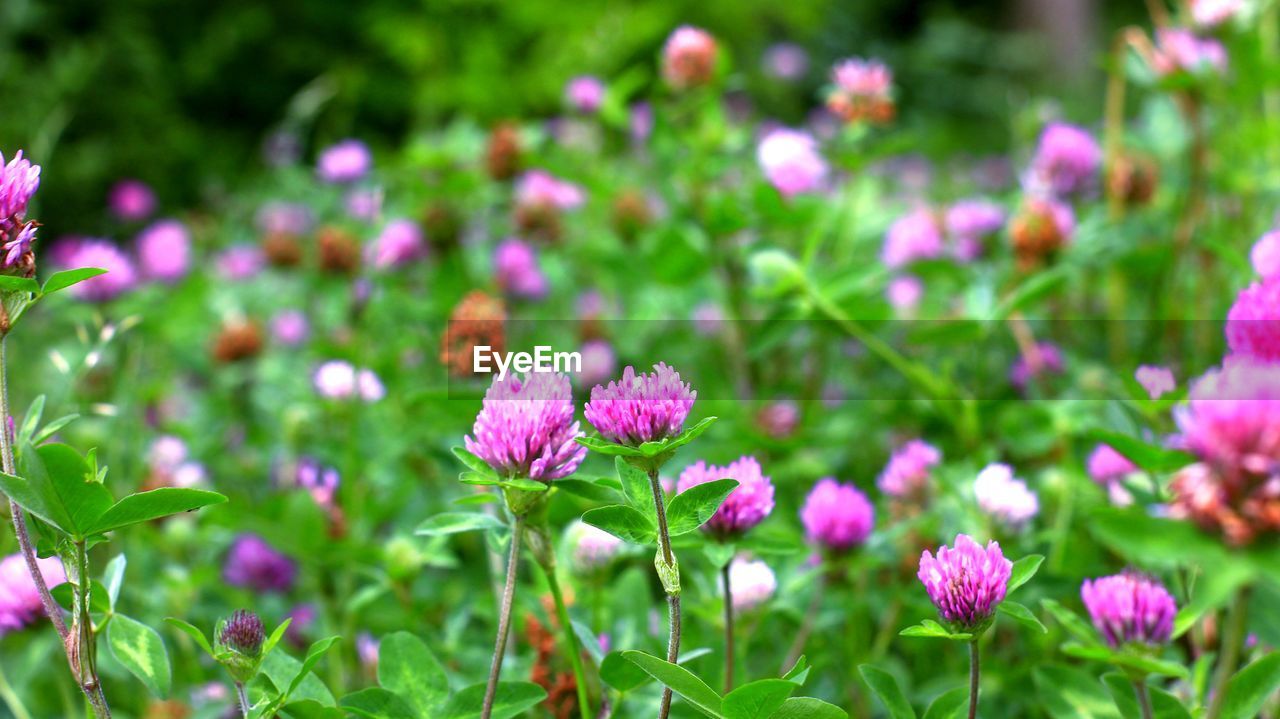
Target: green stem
11	699
806	627
570	640
1144	698
504	618
243	699
669	573
974	671
728	629
1229	652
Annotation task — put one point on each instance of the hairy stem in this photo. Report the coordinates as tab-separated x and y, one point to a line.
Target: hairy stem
570	640
86	651
1144	698
728	629
243	698
504	617
1229	652
669	572
974	671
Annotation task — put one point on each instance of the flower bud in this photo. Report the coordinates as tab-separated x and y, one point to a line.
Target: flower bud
238	644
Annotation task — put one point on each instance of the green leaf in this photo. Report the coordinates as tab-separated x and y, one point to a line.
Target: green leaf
1022	615
113	578
1249	688
282	670
378	703
9	283
157	503
479	480
191	631
512	699
719	553
408	668
276	636
690	434
1150	457
64	595
1126	659
1068	693
1077	627
587	490
474	463
626	523
314	654
621	674
693	507
58	489
312	709
757	700
681	681
807	708
798	673
62	280
1163	704
930	628
457	522
53	427
141	651
600	446
635	485
1139	537
31	420
525	485
1023	570
949	705
1035	287
887	690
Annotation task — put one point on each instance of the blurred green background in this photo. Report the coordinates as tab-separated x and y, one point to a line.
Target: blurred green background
185	95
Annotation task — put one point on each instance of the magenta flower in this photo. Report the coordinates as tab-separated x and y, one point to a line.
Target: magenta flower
1253	322
1050	362
1265	255
1129	607
641	408
1106	465
399	243
584	93
239	262
590	547
1179	50
346	161
364	203
745	507
1067	159
18	182
837	516
16	243
517	272
779	420
290	328
1232	418
969	223
256	565
862	91
904	293
640	121
1005	497
786	61
367	647
119	278
751	582
164	251
907	472
966	583
541	189
284	218
131	200
1157	381
791	162
912	237
689	58
526	429
19	601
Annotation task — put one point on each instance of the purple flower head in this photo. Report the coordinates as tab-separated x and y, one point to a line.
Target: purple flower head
164	251
516	270
19	601
1005	497
688	57
538	188
1106	465
786	61
370	386
1232	418
243	633
966	583
1265	255
18	182
640	121
364	203
904	293
907	472
284	218
599	362
18	243
1155	380
969	223
119	278
1129	607
1067	159
346	161
290	328
745	507
1179	50
779	419
256	565
590	547
319	481
399	243
239	262
861	91
584	93
131	200
791	162
1022	372
1253	322
751	582
526	429
641	408
837	516
914	236
367	647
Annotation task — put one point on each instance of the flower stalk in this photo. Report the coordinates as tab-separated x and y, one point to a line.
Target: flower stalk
974	672
504	617
669	572
1229	653
728	628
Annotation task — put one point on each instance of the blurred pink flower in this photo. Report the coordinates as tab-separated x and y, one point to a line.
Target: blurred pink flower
1180	50
912	237
120	277
1265	255
131	200
399	243
751	582
791	161
164	251
20	604
689	58
240	262
1155	380
290	327
1004	497
584	93
517	272
346	161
